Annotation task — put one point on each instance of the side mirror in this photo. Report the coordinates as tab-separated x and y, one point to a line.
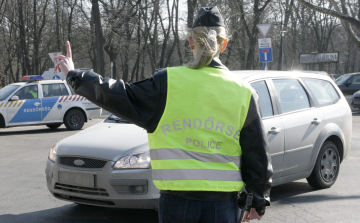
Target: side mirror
347	84
14	98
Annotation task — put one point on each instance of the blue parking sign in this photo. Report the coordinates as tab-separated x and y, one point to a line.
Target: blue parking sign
265	55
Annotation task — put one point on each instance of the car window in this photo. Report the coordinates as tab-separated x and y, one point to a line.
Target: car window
6	91
355	80
71	89
64	91
291	95
28	92
342	79
323	91
264	98
53	90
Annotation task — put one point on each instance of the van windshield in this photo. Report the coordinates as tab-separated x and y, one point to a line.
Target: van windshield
6	91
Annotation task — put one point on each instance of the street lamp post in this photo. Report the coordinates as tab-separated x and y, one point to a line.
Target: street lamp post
282	49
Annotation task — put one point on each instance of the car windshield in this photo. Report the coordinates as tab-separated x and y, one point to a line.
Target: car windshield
6	91
113	118
342	79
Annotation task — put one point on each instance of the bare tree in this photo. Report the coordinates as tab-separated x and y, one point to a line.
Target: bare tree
95	10
348	22
251	28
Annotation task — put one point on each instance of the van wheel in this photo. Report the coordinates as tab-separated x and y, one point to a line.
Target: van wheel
327	166
54	126
2	122
74	119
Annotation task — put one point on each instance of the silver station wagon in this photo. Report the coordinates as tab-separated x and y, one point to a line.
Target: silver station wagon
306	117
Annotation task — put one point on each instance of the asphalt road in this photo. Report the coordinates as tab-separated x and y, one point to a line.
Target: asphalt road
24	196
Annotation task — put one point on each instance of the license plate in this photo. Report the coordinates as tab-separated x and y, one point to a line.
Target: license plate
356	102
77	179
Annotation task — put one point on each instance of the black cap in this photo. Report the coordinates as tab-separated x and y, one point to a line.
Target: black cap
208	17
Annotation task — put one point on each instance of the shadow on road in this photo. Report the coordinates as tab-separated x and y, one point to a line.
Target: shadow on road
289	193
35	131
82	213
290	190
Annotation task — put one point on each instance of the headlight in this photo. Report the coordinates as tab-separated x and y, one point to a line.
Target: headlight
52	154
141	160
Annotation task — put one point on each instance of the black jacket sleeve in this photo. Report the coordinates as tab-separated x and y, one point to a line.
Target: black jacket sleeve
256	165
141	103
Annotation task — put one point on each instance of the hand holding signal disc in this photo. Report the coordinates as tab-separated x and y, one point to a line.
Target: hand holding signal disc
66	63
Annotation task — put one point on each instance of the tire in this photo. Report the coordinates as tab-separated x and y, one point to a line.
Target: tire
54	126
327	166
74	119
2	122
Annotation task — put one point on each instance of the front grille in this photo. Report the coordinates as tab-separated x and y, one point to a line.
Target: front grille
88	163
82	190
127	190
84	200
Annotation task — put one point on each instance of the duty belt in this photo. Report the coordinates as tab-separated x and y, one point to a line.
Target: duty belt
202	195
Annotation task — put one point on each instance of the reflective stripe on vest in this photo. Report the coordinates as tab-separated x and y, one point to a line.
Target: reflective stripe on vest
164	154
195	146
191	174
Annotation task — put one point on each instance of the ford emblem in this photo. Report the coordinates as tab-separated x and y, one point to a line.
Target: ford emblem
79	162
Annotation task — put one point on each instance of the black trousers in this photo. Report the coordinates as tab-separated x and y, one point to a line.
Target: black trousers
174	209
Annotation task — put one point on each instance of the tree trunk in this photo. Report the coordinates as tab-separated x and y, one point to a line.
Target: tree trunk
288	11
35	62
125	76
70	20
26	68
191	5
58	25
99	43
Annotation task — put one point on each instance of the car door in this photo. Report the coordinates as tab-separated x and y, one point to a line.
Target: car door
28	109
352	85
273	125
51	94
303	123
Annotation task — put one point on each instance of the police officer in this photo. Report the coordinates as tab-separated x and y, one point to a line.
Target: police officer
204	126
33	91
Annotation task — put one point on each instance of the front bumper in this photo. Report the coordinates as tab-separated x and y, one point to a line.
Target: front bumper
129	188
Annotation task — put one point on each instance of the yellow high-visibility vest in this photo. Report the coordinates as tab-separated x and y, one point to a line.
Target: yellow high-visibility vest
195	146
34	94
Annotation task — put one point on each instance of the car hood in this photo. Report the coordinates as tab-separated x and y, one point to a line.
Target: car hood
357	94
108	141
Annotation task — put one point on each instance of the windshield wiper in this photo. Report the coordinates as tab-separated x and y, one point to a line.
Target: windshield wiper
121	121
118	120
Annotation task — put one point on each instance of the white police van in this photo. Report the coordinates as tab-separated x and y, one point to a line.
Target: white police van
44	102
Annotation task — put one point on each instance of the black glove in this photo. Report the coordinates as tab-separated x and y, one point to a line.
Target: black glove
244	201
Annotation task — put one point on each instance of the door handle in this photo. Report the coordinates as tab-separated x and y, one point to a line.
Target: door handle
274	130
37	104
316	121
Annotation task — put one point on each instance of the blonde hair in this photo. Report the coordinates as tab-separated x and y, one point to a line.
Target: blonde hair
208	41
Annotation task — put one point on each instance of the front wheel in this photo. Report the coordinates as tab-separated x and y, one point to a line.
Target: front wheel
327	166
2	122
74	119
